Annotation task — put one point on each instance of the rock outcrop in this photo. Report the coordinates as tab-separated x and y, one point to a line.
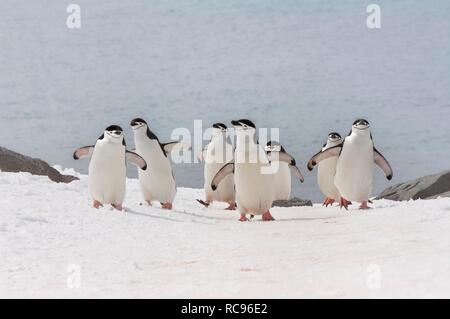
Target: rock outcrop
14	162
293	202
427	187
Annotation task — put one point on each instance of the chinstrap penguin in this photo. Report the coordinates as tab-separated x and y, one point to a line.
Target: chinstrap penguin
107	171
217	153
251	167
157	183
326	171
282	177
354	169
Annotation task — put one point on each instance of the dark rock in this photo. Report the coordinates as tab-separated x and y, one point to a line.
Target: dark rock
427	187
14	162
293	202
446	194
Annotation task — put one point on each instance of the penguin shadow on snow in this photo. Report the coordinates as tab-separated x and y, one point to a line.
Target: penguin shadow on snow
305	219
198	215
137	213
133	212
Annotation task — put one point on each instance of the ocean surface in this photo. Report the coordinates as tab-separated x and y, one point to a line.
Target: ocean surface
305	67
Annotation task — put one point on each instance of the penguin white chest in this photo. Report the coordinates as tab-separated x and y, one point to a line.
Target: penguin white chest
107	173
254	190
325	177
282	181
214	160
354	169
157	182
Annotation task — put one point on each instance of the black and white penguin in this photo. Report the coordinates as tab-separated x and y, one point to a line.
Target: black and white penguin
282	177
354	167
107	171
217	153
253	178
158	183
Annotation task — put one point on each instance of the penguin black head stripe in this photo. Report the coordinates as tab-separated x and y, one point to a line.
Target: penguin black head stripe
114	129
274	146
243	123
361	122
137	122
220	126
334	136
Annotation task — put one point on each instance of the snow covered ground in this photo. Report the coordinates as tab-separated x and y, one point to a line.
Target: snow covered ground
53	244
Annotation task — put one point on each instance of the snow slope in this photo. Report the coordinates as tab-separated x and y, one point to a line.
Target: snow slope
48	232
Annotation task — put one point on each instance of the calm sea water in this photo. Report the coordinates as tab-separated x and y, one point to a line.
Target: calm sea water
306	67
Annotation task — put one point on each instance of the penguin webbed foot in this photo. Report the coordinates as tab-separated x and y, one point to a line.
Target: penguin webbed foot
243	218
204	203
97	204
267	217
364	206
343	203
167	206
232	206
328	201
118	207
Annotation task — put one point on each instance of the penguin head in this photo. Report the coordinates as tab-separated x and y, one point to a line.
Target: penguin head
219	129
244	125
138	123
361	124
113	134
274	146
334	137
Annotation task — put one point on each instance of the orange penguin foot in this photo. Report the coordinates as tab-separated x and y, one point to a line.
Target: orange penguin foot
97	204
204	203
243	218
118	207
267	217
232	206
166	205
364	205
343	203
328	201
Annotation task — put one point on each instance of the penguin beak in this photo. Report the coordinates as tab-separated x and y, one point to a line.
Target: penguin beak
334	137
114	134
361	125
135	125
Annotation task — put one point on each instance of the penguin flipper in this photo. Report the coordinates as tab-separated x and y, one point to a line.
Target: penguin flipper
226	170
176	146
322	155
83	152
136	160
297	173
382	162
282	157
